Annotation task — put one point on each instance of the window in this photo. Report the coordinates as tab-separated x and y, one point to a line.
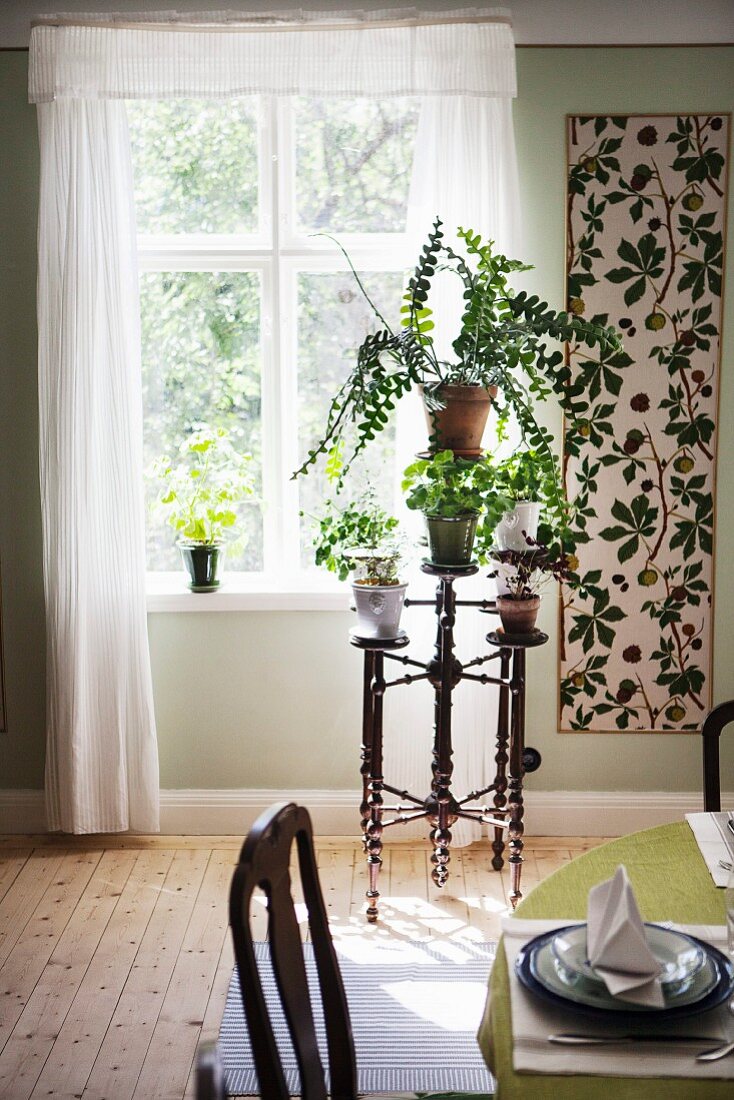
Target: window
250	319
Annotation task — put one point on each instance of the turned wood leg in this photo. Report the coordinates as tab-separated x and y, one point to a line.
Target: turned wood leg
441	833
367	734
515	799
375	787
501	758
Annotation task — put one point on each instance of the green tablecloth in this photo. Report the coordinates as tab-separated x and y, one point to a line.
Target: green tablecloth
671	882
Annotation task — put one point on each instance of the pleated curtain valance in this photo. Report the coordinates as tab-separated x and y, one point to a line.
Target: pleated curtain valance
468	52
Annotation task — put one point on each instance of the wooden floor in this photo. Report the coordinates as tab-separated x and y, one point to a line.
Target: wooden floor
115	957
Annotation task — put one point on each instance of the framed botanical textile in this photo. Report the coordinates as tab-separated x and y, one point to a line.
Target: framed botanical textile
646	203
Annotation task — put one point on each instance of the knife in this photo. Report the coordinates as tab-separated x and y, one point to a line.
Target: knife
634	1037
726	834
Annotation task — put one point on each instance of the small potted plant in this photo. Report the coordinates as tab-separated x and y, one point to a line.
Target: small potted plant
524	574
522	492
522	488
199	497
360	538
451	493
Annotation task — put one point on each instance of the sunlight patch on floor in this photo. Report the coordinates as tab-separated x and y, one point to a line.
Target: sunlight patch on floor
487	905
454	1006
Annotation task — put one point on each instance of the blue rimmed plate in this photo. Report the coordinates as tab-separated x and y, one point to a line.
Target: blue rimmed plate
680	958
708	995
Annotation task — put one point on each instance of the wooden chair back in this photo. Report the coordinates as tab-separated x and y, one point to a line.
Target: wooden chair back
718	718
264	863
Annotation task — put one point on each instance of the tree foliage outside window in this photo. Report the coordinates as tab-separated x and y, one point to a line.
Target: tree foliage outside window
201	365
353	163
196	165
244	311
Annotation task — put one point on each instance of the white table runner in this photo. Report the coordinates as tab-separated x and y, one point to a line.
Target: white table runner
534	1020
715	842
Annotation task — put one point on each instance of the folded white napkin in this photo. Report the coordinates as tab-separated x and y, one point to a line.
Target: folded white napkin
616	943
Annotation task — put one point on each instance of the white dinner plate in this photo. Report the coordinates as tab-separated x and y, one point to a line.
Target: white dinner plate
549	973
680	957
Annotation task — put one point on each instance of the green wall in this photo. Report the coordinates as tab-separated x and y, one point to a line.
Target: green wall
271	699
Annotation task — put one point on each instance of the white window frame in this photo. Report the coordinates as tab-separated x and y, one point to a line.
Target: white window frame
277	253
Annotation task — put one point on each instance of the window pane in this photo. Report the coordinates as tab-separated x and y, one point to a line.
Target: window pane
201	364
333	318
353	163
195	164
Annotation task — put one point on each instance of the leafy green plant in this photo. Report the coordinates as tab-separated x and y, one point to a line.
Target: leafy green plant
358	536
446	486
200	490
519	477
525	572
501	341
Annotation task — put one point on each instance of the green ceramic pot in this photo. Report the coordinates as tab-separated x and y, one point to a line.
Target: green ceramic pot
451	538
202	562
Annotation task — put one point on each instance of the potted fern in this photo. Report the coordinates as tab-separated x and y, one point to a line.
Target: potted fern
360	538
199	495
500	355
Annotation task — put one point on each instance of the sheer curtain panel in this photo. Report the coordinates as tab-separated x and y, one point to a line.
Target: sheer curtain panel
101	757
102	769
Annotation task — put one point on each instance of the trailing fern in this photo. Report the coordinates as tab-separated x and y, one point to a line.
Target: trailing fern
502	341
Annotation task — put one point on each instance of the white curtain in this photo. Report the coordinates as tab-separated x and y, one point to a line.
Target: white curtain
404	51
101	758
464	169
102	769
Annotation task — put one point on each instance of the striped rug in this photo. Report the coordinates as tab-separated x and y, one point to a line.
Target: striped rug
415	1009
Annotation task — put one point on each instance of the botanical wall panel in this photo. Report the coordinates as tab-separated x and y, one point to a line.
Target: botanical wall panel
646	205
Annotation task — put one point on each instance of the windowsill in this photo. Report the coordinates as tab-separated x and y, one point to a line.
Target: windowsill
167	592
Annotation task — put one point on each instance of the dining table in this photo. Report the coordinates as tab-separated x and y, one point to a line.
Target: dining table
672	883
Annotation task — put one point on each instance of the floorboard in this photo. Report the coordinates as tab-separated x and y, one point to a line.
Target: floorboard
115	957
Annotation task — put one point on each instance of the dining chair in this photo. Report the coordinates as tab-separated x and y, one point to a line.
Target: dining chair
719	717
264	863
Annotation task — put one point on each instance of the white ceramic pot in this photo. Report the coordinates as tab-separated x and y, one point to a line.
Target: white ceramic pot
523	517
379	607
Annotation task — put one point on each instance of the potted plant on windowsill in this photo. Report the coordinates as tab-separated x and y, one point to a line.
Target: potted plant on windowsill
525	573
451	493
500	354
199	497
360	538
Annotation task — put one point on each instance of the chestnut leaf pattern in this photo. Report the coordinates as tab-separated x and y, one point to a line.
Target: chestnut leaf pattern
644	252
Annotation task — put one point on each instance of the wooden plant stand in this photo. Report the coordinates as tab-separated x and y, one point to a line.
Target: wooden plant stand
444	672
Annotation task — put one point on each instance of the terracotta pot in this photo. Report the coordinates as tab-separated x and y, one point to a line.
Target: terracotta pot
459	426
518	616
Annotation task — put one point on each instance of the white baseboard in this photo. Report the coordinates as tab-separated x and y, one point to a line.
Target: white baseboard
336	813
